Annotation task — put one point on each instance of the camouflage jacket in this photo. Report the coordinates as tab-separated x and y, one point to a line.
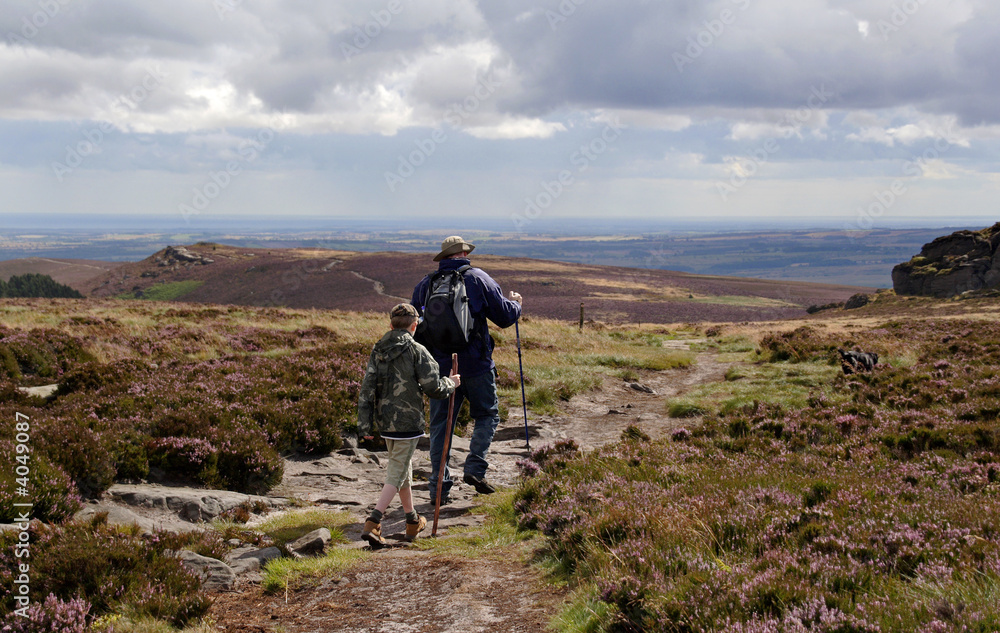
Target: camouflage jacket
399	369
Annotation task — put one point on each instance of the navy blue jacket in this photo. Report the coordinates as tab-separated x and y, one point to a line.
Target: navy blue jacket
486	301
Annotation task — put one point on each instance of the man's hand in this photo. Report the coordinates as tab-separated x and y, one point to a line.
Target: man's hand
515	297
457	379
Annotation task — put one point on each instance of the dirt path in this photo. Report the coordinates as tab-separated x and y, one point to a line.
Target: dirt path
378	286
404	590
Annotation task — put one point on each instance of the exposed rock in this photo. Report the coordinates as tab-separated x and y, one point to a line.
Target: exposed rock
313	543
117	515
191	504
965	261
174	255
215	575
250	559
641	387
45	391
857	301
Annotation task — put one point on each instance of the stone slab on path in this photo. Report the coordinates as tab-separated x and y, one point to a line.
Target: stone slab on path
120	515
190	504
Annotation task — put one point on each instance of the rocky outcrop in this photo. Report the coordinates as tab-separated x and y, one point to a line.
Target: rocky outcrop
173	255
964	261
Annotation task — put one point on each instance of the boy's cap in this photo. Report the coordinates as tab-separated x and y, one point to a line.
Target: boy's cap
403	309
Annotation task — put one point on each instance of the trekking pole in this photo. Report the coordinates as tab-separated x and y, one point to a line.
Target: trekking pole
524	402
445	449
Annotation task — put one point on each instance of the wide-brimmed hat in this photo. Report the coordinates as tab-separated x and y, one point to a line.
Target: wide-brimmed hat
452	245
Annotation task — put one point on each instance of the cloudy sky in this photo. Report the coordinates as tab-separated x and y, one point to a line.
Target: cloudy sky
842	113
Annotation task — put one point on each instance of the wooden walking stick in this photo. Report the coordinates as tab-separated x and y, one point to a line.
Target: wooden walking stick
445	449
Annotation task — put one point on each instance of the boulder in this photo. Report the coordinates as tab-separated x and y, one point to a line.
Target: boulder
313	543
857	301
215	575
251	560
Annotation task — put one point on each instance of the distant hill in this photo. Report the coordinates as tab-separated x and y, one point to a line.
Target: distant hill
75	273
328	279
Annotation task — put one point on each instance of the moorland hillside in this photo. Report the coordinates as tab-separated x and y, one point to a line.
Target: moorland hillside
750	483
343	280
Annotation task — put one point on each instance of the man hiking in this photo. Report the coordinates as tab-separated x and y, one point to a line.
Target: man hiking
480	300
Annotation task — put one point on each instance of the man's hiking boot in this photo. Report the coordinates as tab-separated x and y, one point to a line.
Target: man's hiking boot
444	501
479	484
412	529
373	534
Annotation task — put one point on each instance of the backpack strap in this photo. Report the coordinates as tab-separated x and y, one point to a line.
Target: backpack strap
477	323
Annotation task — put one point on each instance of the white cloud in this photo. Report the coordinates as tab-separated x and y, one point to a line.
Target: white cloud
515	128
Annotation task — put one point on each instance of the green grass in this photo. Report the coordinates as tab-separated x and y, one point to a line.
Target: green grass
584	613
285	528
495	539
165	292
684	409
787	384
288	573
660	361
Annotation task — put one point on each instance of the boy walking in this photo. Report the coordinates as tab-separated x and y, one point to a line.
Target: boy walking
400	371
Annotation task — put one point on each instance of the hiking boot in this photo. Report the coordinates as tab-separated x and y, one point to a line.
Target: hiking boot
479	484
444	501
412	529
373	534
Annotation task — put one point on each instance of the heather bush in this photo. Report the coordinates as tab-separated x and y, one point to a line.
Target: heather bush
51	616
39	354
51	492
108	567
219	422
872	509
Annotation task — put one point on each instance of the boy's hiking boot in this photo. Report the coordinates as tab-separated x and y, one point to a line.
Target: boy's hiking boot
479	484
373	534
412	529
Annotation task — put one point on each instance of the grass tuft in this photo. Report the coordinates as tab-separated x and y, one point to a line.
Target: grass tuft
286	527
287	573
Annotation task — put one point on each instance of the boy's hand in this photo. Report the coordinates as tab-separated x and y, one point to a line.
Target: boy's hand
457	379
514	296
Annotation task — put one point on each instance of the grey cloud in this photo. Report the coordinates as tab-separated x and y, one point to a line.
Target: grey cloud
625	55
